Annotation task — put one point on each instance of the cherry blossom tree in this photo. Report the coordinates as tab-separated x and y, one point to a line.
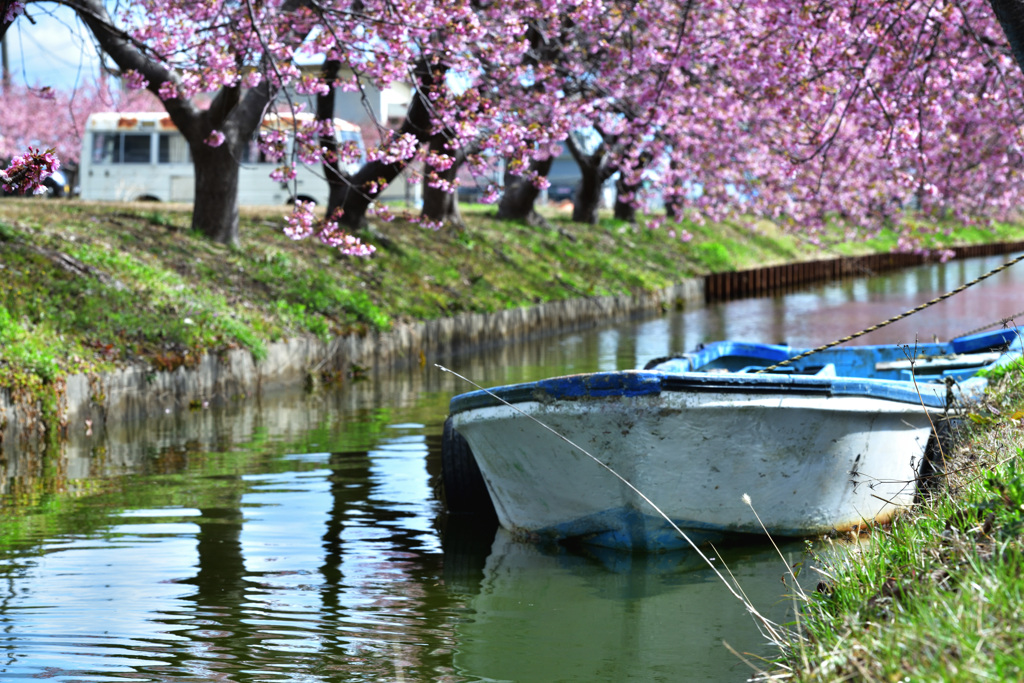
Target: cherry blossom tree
238	53
878	105
27	170
800	111
53	118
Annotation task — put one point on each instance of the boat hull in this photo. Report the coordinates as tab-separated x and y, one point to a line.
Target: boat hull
810	464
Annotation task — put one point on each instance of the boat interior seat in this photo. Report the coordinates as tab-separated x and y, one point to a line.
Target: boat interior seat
957	374
827	370
997	340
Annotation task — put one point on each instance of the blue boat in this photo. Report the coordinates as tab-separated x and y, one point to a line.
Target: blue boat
832	441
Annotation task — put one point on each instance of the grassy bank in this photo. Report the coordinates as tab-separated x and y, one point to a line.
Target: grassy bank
938	595
86	286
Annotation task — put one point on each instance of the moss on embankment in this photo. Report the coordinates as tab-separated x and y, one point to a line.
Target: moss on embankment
85	287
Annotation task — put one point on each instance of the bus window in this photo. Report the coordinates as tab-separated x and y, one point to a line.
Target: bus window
351	136
173	149
136	148
121	148
104	147
252	154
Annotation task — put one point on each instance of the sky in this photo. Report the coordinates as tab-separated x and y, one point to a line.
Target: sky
53	51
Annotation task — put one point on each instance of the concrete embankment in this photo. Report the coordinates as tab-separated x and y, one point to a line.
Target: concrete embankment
133	393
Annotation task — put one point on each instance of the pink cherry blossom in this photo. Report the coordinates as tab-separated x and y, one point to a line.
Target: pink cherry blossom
802	112
134	80
14	9
215	138
27	172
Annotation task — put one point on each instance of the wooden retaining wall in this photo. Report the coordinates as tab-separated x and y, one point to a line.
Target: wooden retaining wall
779	279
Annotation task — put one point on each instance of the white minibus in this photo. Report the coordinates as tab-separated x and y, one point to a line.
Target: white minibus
141	156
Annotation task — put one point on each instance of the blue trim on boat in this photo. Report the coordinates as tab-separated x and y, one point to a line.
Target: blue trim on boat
984	341
913	374
641	383
594	385
601	384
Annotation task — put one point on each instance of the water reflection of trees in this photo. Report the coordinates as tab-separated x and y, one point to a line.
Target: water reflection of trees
381	600
219	636
376	607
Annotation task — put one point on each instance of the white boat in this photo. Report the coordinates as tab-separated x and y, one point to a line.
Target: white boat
830	442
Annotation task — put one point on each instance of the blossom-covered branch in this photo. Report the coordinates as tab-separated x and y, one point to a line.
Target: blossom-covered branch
27	172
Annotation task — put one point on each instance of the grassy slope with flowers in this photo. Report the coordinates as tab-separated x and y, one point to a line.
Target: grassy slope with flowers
86	286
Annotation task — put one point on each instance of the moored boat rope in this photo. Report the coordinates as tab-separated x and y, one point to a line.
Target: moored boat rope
893	319
1005	322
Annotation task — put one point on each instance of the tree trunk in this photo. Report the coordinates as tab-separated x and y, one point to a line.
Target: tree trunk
517	203
215	212
625	210
370	180
674	199
237	117
1010	14
440	205
594	170
587	201
338	181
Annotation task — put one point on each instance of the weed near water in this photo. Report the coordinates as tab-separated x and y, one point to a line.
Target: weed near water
938	595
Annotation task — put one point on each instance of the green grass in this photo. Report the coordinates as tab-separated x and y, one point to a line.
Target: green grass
1011	368
22	347
937	596
87	286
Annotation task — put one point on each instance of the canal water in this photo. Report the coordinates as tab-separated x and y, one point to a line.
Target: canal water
299	537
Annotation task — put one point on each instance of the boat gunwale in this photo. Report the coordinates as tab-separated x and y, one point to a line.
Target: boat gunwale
687	373
577	388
